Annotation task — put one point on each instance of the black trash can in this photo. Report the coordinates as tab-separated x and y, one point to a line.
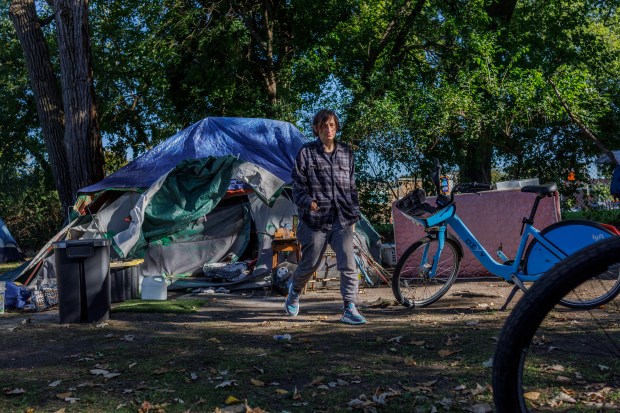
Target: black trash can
83	277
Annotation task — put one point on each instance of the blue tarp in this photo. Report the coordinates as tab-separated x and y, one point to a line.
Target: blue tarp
269	144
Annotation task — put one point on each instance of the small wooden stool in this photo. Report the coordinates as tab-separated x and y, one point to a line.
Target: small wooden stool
284	245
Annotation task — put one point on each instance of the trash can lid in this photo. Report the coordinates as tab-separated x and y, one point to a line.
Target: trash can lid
100	242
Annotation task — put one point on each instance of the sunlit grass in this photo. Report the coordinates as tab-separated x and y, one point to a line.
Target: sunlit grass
164	306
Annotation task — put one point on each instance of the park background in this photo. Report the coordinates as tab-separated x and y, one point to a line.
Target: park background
497	90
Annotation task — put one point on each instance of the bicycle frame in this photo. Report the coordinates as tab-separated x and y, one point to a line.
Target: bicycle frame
480	253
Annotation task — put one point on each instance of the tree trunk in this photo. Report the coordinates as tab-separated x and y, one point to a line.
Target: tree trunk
82	138
46	94
476	166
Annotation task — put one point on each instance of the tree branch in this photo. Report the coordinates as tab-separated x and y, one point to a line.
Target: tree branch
579	123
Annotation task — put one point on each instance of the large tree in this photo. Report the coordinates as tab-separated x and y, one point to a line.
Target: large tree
67	113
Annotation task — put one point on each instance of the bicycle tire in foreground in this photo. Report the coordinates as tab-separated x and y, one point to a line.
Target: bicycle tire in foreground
551	358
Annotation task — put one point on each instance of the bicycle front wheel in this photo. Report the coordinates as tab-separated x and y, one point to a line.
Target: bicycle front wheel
570	236
551	358
412	284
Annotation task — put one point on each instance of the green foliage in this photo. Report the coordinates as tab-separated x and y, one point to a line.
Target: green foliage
611	216
411	80
31	208
164	306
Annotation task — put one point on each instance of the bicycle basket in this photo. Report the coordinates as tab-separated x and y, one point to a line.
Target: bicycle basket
414	206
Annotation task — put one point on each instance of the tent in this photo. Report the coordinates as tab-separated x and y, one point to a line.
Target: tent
214	192
9	251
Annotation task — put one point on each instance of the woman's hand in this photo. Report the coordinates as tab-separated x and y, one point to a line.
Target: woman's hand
314	206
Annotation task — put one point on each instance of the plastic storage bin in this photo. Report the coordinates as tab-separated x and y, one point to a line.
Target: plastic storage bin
388	254
124	281
504	185
154	288
83	277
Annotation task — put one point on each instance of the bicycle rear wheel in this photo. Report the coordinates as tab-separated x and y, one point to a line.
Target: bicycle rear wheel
411	283
551	358
570	236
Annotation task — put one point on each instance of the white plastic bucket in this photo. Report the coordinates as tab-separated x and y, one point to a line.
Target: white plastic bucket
154	288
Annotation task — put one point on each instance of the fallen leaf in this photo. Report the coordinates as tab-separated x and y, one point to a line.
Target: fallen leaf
54	383
488	363
214	340
317	380
258	383
232	400
418	342
410	362
281	391
64	395
446	353
226	383
395	339
531	395
478	390
480	408
563	379
556	367
566	398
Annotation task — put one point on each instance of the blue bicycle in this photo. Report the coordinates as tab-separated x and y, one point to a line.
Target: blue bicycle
429	267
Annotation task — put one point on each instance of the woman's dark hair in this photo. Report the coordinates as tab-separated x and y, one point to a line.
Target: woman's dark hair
321	116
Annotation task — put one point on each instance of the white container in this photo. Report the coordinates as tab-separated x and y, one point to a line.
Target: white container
388	254
500	186
154	288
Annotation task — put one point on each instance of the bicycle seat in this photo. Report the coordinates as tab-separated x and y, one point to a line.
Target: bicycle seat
541	190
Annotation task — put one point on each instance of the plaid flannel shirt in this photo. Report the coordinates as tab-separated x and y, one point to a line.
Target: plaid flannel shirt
330	183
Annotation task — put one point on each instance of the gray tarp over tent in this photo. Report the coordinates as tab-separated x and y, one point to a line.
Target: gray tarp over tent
9	250
214	191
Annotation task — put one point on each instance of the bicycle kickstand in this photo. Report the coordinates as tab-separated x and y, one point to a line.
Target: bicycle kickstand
518	286
510	297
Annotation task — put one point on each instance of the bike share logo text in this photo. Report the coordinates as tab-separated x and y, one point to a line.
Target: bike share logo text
475	248
598	237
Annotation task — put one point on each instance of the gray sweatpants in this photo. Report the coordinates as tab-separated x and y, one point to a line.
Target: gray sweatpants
313	246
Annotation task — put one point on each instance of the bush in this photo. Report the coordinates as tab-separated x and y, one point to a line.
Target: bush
609	216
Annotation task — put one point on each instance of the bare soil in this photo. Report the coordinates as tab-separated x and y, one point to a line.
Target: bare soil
402	360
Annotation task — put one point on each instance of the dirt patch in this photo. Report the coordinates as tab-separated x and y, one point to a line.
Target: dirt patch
403	360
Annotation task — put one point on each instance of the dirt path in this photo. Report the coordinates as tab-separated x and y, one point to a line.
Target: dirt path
176	362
